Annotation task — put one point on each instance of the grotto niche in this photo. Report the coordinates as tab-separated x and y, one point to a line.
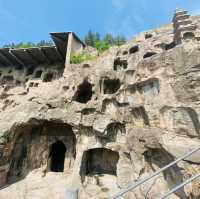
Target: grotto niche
99	161
43	145
84	92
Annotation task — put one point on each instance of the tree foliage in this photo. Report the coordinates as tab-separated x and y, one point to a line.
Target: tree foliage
28	44
93	39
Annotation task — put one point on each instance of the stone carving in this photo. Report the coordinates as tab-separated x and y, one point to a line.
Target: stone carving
97	126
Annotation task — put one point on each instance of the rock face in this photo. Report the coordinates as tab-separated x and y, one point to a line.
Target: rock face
107	122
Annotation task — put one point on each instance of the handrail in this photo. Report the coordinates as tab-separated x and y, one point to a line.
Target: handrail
180	186
139	182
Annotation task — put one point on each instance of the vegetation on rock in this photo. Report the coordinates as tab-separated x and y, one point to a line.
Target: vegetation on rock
79	58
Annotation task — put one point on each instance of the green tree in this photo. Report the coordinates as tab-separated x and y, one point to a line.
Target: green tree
97	37
91	38
109	39
119	40
101	46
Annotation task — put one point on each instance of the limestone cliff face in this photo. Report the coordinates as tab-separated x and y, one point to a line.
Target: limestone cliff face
106	123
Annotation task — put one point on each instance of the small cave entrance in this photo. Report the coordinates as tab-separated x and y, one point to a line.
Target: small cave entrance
149	54
57	156
134	49
148	36
30	70
38	74
140	114
120	64
114	130
170	46
7	79
99	161
84	92
188	35
48	77
110	86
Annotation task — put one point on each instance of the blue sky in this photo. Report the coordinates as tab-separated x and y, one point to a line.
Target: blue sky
32	20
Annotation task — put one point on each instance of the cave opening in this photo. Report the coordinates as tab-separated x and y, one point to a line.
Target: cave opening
110	86
134	49
7	79
149	54
140	113
99	161
170	46
120	64
84	92
30	70
38	73
57	156
48	77
148	36
54	142
188	35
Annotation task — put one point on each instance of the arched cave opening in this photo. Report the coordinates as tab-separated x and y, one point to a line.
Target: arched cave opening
99	161
84	92
57	156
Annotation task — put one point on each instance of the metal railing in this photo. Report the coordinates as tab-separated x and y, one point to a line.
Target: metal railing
142	181
180	186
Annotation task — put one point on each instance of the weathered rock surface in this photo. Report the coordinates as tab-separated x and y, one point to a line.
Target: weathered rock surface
106	123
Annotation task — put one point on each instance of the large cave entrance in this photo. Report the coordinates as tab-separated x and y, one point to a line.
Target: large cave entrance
41	145
57	156
99	161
